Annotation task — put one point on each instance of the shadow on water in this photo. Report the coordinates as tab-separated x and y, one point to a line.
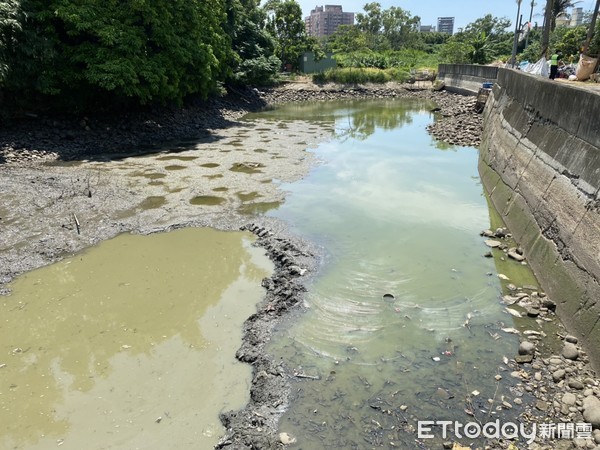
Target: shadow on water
398	214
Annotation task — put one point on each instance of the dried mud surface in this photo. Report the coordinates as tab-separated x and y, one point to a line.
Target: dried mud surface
53	205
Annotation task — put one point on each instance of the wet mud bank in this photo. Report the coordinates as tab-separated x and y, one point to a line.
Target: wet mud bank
256	424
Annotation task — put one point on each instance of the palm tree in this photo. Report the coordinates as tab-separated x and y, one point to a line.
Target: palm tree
560	7
590	33
546	32
513	58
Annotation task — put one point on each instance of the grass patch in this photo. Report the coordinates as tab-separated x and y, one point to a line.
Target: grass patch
352	75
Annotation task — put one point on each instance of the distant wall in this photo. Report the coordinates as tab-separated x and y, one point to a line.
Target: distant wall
309	65
466	79
540	164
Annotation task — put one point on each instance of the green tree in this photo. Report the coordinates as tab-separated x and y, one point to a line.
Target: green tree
371	23
285	23
488	38
112	51
10	30
253	46
456	52
346	39
400	28
567	42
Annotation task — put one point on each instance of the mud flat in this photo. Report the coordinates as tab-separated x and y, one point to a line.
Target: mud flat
69	185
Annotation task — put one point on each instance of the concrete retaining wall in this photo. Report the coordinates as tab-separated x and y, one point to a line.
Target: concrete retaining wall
540	163
466	79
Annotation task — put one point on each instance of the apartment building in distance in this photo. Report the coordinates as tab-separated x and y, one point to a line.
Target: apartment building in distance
446	25
324	20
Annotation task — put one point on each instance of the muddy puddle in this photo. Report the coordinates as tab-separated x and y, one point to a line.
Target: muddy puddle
130	344
405	321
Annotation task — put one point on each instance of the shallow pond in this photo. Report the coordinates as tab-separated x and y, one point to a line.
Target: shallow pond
404	321
130	344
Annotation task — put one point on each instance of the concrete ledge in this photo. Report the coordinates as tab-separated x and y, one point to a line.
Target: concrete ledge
466	79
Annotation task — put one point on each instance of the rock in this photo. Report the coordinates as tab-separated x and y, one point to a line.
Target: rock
492	243
541	405
526	348
558	375
500	232
286	439
522	359
513	312
514	255
575	384
571	339
538	376
596	436
532	312
570	351
547	303
591	411
569	399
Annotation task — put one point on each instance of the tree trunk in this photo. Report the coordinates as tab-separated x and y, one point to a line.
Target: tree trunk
546	33
590	32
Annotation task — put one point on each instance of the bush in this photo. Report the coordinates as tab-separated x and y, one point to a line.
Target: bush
261	71
349	75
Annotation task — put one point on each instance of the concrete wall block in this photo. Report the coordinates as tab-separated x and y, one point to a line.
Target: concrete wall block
540	164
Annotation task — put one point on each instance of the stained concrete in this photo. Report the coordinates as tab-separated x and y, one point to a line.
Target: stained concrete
540	163
466	79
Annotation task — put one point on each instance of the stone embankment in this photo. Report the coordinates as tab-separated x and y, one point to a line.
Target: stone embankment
540	163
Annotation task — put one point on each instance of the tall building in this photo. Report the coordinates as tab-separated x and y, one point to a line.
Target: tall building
324	20
577	17
426	28
445	25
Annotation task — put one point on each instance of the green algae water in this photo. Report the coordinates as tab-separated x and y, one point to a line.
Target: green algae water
130	344
404	321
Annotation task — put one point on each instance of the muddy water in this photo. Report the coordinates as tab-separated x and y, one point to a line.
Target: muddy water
130	344
404	322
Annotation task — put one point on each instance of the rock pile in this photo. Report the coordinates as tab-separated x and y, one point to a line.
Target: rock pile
460	124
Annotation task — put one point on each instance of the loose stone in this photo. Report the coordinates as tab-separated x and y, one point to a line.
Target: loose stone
569	399
558	375
571	339
526	348
591	411
570	351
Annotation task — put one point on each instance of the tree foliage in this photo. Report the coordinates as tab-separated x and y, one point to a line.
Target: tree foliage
254	47
385	29
285	23
481	42
131	51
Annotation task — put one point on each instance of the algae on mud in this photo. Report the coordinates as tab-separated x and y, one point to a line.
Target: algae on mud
130	344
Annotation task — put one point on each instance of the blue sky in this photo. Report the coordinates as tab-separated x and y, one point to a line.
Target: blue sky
464	11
